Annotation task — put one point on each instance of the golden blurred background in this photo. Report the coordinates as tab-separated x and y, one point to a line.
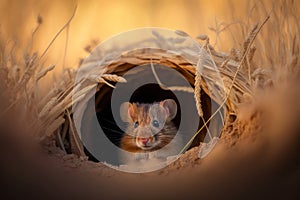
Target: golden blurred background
100	19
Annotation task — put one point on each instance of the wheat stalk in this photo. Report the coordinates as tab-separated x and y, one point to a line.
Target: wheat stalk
230	89
251	34
44	72
114	78
197	93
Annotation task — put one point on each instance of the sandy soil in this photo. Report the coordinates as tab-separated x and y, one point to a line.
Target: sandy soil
257	157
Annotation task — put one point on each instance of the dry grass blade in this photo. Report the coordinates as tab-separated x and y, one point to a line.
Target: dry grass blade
62	146
78	147
224	63
181	89
63	104
44	72
56	111
39	22
46	109
8	108
18	91
250	36
230	89
54	125
54	92
173	88
156	76
59	32
83	91
30	68
64	130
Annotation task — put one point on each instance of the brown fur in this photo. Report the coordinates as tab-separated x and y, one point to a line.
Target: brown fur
144	114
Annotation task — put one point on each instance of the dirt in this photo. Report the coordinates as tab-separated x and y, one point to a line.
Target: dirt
256	157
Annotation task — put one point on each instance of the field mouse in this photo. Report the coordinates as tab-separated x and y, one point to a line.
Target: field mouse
149	125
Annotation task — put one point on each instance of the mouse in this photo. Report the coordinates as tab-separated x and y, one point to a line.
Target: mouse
149	125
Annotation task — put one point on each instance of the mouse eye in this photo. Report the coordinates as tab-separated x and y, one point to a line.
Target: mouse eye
136	124
155	123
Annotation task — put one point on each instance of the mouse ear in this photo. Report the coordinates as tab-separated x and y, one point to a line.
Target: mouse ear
170	107
126	111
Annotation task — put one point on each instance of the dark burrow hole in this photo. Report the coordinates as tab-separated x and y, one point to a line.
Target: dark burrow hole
148	93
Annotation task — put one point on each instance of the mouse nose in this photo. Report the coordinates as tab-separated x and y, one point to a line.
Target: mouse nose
144	140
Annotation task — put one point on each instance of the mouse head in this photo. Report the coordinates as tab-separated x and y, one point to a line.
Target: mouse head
145	121
163	111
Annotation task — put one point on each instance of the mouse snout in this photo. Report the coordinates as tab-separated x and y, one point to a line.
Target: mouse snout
144	140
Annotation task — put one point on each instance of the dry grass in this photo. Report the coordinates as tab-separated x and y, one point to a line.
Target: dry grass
264	59
266	54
